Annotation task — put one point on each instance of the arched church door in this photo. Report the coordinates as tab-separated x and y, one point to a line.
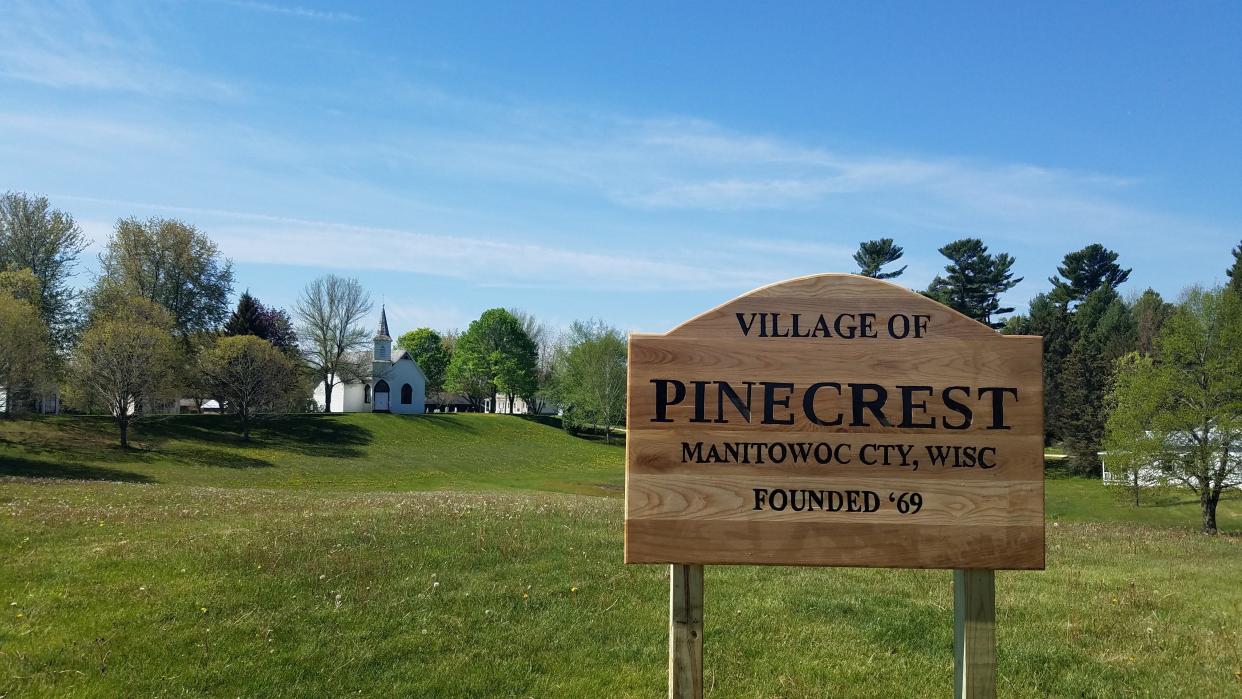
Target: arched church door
380	396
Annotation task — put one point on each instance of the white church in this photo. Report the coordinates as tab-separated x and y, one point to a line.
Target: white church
396	384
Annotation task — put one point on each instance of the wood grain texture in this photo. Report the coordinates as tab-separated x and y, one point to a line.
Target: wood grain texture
974	634
685	632
833	544
740	412
702	497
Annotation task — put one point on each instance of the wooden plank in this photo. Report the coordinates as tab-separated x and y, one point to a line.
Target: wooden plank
974	634
829	543
685	632
719	407
1018	457
833	499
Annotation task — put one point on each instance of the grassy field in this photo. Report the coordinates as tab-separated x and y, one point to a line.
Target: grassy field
359	452
302	577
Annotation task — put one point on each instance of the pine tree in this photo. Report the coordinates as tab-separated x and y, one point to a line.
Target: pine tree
1150	312
1055	324
1235	271
1104	331
247	318
1086	270
974	280
251	317
874	254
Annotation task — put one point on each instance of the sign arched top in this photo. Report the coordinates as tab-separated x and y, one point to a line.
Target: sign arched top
835	420
807	298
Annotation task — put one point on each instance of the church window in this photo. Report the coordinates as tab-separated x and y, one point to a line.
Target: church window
366	393
407	394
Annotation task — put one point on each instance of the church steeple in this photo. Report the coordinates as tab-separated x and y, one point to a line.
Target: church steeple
382	356
381	333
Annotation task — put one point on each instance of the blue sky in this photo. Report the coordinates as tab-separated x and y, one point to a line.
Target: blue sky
636	162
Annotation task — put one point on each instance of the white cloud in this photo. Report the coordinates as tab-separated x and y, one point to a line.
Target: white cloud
293	11
490	261
66	45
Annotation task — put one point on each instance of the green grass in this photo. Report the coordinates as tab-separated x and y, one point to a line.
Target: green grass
321	452
313	583
1071	499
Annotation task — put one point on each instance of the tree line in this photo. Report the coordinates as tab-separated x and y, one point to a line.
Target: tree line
1135	380
1152	387
156	325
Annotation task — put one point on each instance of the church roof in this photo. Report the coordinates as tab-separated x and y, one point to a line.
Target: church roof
381	333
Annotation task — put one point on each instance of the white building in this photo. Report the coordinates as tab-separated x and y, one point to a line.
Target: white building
519	406
46	402
396	384
1158	474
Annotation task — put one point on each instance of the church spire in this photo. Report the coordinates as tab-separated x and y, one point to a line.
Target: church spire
381	333
381	357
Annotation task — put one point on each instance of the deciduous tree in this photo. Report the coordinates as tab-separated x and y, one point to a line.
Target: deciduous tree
48	242
494	354
125	359
170	263
249	374
329	314
427	348
24	348
1179	412
591	374
545	349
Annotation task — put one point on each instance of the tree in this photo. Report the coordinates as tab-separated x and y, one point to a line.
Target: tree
591	375
329	313
249	373
1150	312
21	284
251	317
1103	332
46	241
872	255
1179	412
170	263
246	319
494	355
24	350
124	360
516	374
1086	270
1235	271
427	348
974	280
450	339
545	348
1054	323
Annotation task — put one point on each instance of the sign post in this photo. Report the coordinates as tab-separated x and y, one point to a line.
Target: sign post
974	633
835	420
685	632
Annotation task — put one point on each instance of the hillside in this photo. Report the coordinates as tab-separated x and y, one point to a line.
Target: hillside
329	452
256	592
282	567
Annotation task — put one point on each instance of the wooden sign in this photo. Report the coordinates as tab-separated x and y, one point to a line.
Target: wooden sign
835	420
